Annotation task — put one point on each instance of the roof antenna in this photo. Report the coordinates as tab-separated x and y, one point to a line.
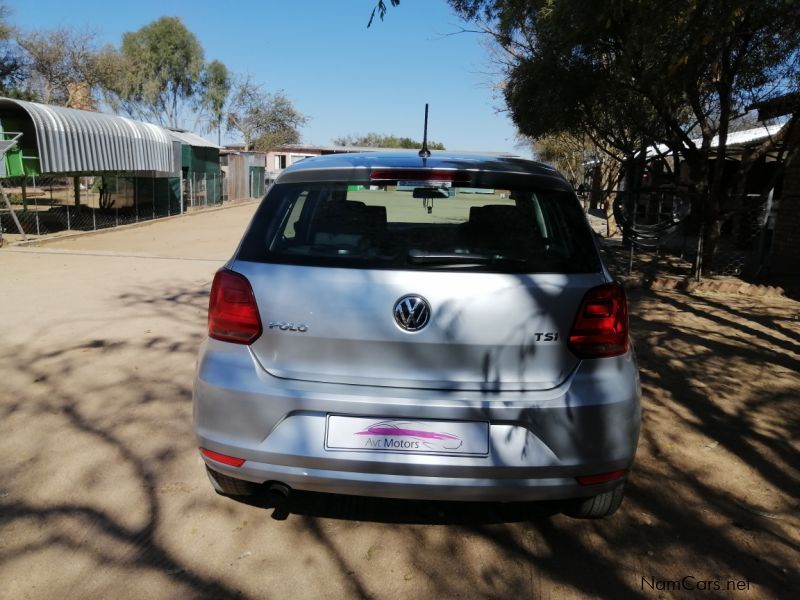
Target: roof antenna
425	153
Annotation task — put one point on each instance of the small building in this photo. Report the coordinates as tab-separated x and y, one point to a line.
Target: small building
200	167
84	169
753	212
244	173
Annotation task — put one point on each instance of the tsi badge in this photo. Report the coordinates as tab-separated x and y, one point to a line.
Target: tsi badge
548	336
285	326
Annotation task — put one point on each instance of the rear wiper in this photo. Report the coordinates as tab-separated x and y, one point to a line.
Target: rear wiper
420	257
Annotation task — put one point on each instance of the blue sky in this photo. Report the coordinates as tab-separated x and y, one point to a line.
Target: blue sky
345	77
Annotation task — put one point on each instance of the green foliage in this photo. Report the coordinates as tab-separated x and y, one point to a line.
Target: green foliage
377	140
65	66
631	74
216	87
13	72
265	120
565	152
162	65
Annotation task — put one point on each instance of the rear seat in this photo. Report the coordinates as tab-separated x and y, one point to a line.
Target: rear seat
347	222
501	226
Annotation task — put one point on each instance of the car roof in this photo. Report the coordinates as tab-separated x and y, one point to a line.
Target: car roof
484	169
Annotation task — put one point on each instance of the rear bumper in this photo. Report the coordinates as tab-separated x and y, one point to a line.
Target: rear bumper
538	441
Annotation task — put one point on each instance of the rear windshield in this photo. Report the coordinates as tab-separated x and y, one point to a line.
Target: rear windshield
420	225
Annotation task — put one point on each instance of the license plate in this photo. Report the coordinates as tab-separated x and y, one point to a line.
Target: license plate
407	435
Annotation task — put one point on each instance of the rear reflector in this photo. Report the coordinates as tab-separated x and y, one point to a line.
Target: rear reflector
232	311
222	458
601	477
601	325
419	175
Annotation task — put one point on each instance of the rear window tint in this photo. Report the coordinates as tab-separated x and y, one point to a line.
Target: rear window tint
421	225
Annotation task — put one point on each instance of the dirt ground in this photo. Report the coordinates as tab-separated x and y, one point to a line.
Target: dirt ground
103	495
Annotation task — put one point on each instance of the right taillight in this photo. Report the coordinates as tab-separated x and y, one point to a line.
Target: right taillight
601	325
232	310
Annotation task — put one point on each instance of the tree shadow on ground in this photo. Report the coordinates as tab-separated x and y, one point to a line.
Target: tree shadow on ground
702	398
713	494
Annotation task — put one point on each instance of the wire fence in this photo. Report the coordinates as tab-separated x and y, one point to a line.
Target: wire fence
50	205
663	231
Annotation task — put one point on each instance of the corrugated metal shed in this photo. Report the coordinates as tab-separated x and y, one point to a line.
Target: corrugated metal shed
736	140
77	141
190	139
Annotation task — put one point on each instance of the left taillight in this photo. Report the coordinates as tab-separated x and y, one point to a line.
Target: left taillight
232	310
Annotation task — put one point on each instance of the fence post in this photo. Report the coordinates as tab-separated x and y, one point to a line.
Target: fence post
68	224
36	211
698	265
116	217
631	237
136	200
94	219
153	179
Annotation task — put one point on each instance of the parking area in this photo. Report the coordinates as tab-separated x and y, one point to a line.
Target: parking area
103	494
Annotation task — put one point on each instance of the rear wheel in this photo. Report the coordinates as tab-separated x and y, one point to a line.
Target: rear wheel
595	507
230	486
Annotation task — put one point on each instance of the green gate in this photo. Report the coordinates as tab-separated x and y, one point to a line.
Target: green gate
256	182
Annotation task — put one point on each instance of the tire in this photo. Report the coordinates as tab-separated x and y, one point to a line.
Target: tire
596	507
230	486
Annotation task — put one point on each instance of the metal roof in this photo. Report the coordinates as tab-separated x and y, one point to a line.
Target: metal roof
77	141
735	142
190	139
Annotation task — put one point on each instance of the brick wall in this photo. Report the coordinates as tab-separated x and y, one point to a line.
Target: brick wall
786	239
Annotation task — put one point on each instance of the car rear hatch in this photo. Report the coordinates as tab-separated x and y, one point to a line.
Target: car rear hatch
501	268
486	331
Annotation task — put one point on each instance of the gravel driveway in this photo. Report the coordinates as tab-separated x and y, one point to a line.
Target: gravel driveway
103	495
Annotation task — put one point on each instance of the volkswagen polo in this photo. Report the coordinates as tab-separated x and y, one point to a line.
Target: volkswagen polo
437	327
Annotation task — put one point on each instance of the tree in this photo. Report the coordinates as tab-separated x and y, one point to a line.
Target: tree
162	66
65	66
377	140
264	120
12	65
565	152
380	10
631	74
216	85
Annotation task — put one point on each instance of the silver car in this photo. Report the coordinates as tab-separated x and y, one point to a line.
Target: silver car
426	328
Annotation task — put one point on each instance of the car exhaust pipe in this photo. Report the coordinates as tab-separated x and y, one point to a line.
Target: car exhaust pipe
280	493
279	489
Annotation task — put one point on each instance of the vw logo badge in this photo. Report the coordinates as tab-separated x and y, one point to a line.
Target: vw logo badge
412	312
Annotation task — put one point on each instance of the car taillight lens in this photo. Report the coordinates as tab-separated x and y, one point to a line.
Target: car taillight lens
232	311
601	325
